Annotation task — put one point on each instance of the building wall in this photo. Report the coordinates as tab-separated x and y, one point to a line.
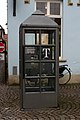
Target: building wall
22	12
71	34
71	38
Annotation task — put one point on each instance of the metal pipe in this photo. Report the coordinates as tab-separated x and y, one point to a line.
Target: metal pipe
14	7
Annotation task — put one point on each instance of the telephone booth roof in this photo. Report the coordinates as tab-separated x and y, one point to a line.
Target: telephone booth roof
38	19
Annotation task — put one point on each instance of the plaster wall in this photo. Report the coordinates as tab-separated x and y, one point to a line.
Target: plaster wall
70	28
22	12
71	35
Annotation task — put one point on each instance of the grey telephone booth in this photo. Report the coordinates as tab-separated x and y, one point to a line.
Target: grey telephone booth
39	64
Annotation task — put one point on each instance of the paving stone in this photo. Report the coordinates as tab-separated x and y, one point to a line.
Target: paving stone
24	119
69	105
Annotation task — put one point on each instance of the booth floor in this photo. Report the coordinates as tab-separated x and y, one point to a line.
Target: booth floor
68	109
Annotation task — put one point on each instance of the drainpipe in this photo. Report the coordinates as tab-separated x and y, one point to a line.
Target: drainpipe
14	7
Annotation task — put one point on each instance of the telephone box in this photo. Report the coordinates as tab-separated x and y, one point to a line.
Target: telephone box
39	61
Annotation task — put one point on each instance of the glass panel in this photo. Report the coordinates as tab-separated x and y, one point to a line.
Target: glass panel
39	64
48	84
32	69
44	39
42	6
55	8
47	53
31	38
32	53
32	85
47	37
47	69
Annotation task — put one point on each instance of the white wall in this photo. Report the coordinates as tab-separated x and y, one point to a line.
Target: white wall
71	35
22	12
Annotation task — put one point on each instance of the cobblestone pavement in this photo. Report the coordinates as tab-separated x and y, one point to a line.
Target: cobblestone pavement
69	105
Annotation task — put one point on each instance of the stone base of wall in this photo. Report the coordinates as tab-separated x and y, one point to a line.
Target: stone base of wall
13	79
75	78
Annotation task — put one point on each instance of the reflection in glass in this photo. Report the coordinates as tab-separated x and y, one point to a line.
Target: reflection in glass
44	39
55	8
32	53
47	38
39	65
47	69
29	38
47	84
32	82
31	69
42	6
32	85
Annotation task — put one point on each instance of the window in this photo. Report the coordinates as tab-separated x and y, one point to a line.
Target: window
78	4
42	6
26	1
29	38
53	9
70	2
